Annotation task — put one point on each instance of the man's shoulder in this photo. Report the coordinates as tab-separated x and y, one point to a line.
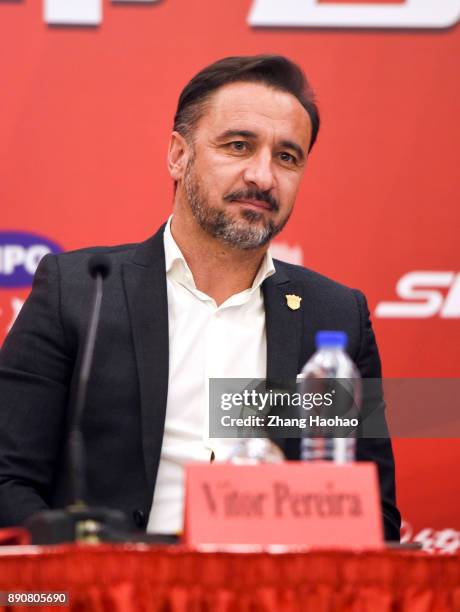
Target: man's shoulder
133	252
142	253
72	265
313	280
115	251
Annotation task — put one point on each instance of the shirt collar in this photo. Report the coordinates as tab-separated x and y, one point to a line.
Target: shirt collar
173	255
177	267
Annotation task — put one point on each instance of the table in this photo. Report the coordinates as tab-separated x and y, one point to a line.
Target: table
138	578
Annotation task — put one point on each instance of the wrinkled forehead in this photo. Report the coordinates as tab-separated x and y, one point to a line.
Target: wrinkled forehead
269	112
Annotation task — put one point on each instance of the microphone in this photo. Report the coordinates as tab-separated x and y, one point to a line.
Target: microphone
78	522
99	264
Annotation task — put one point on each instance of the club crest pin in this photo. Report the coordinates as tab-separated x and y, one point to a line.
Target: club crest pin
293	301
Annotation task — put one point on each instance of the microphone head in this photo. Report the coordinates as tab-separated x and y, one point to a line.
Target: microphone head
99	264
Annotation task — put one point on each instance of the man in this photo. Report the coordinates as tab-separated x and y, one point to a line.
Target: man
202	298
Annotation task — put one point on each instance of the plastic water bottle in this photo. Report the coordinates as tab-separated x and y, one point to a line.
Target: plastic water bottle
331	362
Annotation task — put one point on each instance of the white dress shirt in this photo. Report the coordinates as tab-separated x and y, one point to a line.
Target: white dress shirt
205	341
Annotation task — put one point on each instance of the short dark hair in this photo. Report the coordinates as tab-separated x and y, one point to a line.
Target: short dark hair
272	70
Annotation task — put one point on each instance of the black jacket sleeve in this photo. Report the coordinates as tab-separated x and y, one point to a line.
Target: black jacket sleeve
378	450
35	367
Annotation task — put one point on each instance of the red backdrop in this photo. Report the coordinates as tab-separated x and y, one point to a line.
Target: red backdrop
85	115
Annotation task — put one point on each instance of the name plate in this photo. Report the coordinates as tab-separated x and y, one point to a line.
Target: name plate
317	505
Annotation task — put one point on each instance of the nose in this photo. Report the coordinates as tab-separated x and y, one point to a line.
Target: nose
259	173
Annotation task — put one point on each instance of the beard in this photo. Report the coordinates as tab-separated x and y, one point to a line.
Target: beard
251	231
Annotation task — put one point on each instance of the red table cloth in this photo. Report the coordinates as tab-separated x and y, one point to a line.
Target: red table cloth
137	578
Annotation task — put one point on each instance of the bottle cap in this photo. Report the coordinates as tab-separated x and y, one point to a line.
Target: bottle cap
336	339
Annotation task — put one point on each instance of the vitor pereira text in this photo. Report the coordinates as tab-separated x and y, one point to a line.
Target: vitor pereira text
281	501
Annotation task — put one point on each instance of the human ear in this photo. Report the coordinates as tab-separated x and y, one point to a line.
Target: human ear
178	155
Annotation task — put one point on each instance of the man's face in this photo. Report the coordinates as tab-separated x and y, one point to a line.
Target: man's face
245	164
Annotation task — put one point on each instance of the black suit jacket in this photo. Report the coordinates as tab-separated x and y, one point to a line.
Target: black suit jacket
124	417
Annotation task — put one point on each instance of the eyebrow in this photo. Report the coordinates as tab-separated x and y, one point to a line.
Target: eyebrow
233	133
289	144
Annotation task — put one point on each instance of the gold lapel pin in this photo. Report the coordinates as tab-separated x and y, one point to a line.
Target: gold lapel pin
293	301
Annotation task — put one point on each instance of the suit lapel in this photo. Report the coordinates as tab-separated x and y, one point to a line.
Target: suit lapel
284	328
145	285
284	334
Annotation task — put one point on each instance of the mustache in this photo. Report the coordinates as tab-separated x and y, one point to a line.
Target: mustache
254	194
